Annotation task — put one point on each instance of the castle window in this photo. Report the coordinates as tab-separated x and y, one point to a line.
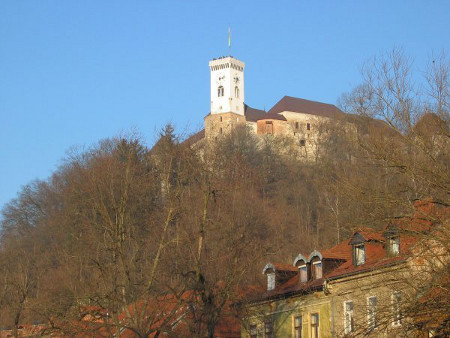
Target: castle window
372	312
220	130
314	325
359	254
221	119
348	317
302	143
393	246
308	126
236	92
298	326
220	91
296	125
269	127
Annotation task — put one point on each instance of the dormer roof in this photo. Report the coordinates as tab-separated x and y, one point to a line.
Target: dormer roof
277	267
313	254
366	235
299	258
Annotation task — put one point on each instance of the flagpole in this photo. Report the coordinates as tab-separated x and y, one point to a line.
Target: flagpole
229	40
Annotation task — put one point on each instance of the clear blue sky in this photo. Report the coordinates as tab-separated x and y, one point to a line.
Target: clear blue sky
75	71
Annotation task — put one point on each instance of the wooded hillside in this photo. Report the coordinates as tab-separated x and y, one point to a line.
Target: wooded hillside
121	223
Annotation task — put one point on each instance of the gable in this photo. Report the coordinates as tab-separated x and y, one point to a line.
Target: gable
357	239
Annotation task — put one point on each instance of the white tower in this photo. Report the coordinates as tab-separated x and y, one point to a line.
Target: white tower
227	85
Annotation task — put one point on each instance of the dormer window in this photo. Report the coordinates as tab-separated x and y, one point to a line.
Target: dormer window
315	259
278	274
317	269
303	273
301	263
359	254
393	246
270	281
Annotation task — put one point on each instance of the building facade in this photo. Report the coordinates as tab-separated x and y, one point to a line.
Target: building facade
368	285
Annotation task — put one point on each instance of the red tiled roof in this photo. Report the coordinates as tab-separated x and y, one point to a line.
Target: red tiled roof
194	138
252	114
273	117
370	234
341	251
284	267
294	104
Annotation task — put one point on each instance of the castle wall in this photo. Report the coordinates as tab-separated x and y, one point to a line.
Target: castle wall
219	124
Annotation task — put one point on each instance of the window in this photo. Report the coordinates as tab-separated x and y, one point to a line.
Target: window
253	331
296	125
303	273
372	312
302	143
317	270
271	281
221	119
236	92
396	308
220	130
269	127
359	254
268	329
298	326
220	91
348	317
394	246
308	126
314	325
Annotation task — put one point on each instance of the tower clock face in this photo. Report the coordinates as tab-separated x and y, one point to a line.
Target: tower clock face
220	78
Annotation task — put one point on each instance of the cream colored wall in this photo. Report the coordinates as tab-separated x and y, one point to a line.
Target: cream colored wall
282	312
358	289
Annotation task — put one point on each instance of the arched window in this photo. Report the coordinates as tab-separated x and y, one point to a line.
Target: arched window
300	262
315	259
236	92
220	91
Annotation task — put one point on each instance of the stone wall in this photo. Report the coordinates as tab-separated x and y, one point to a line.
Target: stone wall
220	124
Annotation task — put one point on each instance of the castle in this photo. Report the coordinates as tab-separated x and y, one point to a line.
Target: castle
290	116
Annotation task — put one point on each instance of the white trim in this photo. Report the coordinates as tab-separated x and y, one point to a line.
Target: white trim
269	266
313	254
348	329
299	258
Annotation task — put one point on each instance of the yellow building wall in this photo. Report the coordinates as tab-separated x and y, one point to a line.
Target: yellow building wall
282	314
